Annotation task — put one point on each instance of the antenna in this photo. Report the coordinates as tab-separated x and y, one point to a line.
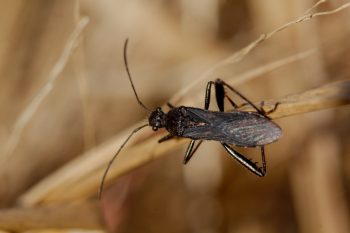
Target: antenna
112	160
129	75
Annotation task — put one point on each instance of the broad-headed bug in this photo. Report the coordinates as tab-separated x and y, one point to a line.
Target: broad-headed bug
239	128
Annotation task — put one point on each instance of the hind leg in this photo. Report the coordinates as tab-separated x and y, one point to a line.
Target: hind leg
250	165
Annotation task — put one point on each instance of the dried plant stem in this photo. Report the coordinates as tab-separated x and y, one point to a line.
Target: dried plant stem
87	176
81	178
328	96
314	6
82	216
31	108
238	56
259	71
303	18
197	99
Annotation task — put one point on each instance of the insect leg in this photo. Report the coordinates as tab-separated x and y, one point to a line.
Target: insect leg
219	94
251	166
207	95
170	105
263	160
190	151
270	111
222	83
231	101
166	138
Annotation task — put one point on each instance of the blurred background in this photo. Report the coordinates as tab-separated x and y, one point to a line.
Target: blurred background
173	43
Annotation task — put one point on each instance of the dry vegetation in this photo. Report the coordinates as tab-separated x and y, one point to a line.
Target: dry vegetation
67	106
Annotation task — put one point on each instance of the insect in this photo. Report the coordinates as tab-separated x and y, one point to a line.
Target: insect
239	128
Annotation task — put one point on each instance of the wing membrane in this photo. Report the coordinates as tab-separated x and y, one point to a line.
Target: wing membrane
246	129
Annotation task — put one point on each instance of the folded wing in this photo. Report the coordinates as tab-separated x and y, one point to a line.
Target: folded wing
247	129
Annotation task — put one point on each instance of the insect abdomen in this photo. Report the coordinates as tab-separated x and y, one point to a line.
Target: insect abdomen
247	129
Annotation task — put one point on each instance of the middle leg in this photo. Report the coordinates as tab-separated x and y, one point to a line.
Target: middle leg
190	151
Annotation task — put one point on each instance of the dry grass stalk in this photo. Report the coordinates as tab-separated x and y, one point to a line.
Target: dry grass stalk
88	119
82	216
238	56
81	178
314	6
259	71
328	96
32	107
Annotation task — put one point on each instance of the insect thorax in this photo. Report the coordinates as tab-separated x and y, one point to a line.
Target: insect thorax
177	120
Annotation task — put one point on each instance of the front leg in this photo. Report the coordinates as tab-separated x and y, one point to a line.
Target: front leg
170	105
166	138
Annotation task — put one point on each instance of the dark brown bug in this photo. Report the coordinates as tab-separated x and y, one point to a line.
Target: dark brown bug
239	128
